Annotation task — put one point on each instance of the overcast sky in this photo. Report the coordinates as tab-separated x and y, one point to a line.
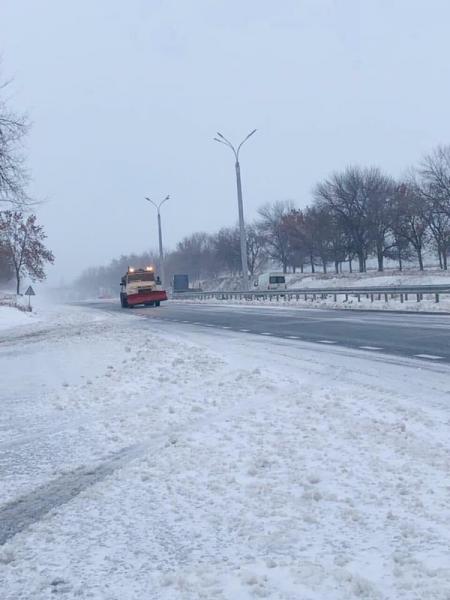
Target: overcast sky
125	98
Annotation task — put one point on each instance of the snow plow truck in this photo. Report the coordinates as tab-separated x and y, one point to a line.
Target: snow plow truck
141	286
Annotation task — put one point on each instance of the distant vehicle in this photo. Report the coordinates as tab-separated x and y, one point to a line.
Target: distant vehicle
180	283
141	286
271	282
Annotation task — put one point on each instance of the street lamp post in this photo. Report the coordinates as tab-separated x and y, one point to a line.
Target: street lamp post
223	140
161	254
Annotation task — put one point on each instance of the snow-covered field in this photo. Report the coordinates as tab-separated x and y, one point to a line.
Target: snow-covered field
391	277
247	468
371	278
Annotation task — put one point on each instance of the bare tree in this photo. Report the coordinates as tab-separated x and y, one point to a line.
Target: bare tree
349	195
412	224
300	239
434	186
196	256
23	240
14	176
256	249
6	268
334	237
326	236
273	227
438	221
380	191
400	248
227	245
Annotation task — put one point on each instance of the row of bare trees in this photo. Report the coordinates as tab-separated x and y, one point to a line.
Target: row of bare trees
358	214
361	213
200	255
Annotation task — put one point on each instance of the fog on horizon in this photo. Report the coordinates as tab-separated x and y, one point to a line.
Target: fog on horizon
126	98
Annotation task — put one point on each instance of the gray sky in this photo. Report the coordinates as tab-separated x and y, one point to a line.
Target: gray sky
125	98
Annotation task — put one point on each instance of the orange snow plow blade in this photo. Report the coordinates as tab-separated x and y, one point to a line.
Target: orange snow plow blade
146	298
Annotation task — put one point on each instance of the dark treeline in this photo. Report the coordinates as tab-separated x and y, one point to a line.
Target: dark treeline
355	215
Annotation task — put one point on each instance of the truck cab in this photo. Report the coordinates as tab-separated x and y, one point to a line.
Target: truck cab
141	286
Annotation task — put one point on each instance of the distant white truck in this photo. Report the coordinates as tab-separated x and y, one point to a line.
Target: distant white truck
271	282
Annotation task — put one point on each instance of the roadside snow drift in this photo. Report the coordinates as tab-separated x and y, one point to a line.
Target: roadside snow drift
11	317
247	468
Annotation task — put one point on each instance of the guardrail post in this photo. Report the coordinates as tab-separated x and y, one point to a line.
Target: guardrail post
385	297
314	296
418	297
406	297
306	297
359	297
346	297
335	297
379	296
401	298
436	298
371	297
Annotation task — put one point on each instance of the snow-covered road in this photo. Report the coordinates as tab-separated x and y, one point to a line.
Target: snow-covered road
229	466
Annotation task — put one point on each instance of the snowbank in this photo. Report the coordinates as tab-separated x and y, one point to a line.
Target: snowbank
11	317
308	280
387	278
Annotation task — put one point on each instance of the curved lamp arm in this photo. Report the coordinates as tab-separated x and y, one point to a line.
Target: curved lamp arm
223	140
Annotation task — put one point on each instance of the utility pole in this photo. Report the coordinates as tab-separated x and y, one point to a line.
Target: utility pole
223	140
161	253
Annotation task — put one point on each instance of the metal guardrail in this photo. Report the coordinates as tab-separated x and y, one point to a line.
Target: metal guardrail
373	293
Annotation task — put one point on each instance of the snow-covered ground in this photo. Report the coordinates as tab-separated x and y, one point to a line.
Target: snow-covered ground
247	467
371	278
11	317
390	277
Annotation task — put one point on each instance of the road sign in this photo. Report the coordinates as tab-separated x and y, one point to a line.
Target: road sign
30	292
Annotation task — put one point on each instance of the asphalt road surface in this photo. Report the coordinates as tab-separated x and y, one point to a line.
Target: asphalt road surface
419	336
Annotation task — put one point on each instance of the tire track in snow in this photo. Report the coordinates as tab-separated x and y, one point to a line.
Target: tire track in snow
26	510
17	515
